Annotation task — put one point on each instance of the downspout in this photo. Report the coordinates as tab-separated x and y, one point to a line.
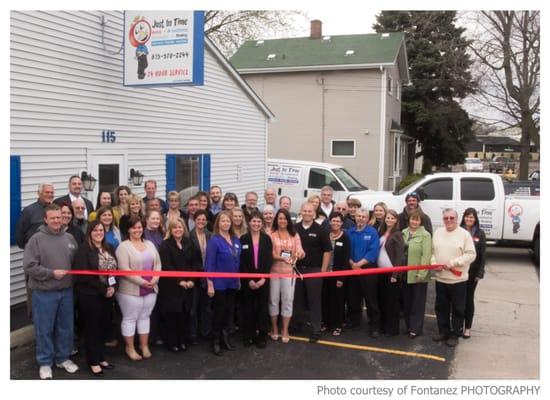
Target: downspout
382	136
323	119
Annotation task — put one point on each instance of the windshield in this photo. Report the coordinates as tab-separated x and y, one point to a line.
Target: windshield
473	161
349	181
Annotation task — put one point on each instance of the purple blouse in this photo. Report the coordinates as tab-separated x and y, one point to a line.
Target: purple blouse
147	261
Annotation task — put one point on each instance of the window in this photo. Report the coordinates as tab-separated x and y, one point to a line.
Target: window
342	148
187	172
15	194
438	189
321	177
477	189
108	177
389	85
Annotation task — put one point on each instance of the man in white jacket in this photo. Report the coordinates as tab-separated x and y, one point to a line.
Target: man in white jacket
453	247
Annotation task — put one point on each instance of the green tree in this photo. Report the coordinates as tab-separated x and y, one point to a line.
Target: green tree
439	68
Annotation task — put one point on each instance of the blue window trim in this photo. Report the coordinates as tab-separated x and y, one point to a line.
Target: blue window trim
15	195
204	173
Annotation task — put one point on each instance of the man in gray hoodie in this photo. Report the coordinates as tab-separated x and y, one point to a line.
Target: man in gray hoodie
48	255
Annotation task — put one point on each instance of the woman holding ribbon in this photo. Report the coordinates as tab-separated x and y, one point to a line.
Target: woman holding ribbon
95	294
287	248
176	294
418	251
137	294
334	288
391	253
470	222
256	258
223	254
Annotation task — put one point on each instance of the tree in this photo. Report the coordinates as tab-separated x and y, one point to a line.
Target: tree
507	56
439	68
230	29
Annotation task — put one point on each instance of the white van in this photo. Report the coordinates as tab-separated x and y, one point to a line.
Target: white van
301	179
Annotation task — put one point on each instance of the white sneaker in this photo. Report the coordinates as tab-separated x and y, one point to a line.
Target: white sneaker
68	366
45	372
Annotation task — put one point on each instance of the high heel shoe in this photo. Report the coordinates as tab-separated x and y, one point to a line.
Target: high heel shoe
106	365
274	336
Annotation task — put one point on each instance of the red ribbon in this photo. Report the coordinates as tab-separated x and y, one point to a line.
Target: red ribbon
195	274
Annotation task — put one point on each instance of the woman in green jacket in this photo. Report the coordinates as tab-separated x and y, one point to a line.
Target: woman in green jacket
418	248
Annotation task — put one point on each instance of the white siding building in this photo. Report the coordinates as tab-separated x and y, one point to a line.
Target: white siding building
67	96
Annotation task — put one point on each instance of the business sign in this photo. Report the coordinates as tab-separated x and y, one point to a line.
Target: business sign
163	48
283	175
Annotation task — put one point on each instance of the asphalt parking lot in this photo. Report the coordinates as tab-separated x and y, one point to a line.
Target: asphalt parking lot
504	318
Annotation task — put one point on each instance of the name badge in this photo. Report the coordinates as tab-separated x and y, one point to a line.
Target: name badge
111	281
366	237
312	235
286	254
339	244
245	246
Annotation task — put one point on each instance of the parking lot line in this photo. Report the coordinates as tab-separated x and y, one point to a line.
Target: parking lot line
373	349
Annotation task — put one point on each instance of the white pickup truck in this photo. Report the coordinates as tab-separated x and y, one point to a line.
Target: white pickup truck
503	217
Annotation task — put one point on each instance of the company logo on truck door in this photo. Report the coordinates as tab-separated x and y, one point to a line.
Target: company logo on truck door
283	175
515	211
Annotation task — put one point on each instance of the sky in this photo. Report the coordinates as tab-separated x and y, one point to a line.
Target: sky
339	21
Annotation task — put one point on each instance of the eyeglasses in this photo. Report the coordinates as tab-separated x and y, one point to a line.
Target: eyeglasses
448	218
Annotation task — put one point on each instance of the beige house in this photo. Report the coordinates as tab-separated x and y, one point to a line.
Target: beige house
336	99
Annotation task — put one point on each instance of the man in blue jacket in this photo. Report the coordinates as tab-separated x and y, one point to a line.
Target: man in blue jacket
364	253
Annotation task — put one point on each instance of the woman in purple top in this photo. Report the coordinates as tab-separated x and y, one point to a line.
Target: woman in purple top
154	228
137	295
222	255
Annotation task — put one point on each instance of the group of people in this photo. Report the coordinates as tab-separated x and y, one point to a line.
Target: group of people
212	233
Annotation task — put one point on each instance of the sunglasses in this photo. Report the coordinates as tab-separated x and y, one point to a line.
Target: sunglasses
448	218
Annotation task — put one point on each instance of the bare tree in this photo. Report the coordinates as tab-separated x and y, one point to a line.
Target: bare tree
507	52
230	29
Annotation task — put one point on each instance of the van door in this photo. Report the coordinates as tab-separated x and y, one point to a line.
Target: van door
319	177
439	194
479	193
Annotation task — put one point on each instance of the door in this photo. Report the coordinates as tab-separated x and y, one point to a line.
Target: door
439	194
110	172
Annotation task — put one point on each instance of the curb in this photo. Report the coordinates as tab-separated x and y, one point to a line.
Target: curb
21	337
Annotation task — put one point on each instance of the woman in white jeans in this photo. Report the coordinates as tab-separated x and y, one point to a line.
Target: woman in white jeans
137	294
287	248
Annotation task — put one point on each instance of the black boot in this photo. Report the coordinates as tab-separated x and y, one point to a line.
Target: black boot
216	349
225	341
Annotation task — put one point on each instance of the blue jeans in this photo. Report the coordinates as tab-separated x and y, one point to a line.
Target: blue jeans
52	313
